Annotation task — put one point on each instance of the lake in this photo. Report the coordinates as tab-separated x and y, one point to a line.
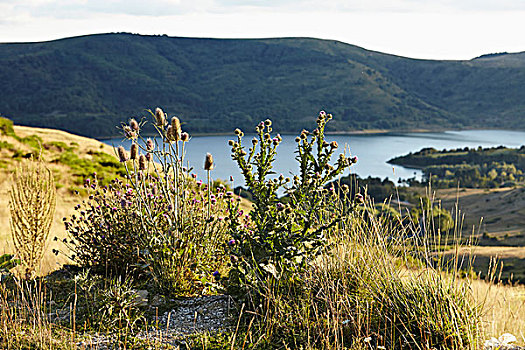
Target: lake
373	151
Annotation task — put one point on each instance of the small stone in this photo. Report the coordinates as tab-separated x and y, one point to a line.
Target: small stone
507	338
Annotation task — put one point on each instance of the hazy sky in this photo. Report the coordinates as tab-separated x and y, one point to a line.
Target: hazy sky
441	29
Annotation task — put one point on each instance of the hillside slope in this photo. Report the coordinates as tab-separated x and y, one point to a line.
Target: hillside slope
71	158
88	84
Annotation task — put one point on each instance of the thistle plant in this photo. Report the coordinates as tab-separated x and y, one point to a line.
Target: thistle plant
285	234
32	202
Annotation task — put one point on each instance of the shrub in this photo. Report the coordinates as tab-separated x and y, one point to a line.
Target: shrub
32	202
160	222
283	238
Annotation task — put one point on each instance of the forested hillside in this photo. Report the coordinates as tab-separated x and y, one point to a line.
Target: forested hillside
88	84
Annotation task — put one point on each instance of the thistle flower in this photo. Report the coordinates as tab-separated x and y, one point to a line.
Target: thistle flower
142	162
185	137
134	151
176	129
122	156
133	124
208	162
160	117
150	146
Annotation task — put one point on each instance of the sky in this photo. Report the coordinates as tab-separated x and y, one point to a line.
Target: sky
429	29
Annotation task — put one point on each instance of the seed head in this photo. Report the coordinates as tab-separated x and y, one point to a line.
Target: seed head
268	122
122	156
142	162
150	145
129	133
134	151
185	137
160	117
133	124
208	162
334	144
148	157
169	133
177	131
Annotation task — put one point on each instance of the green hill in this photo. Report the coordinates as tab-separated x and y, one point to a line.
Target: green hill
89	84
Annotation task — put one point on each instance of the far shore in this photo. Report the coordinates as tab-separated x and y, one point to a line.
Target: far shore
354	132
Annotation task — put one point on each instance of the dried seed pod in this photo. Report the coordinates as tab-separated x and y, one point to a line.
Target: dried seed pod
177	131
134	151
122	155
334	144
169	134
142	162
160	117
148	157
208	162
150	145
134	125
185	137
129	133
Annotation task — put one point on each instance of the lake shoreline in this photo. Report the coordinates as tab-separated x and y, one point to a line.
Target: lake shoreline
371	132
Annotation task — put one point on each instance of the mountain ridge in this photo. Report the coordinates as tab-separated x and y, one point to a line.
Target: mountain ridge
88	84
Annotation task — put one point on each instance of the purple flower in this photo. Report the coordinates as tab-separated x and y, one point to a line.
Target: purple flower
231	242
217	274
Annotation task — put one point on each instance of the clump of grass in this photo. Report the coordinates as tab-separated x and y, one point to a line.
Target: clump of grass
366	292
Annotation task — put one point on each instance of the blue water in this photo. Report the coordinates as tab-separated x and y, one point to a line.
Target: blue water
373	151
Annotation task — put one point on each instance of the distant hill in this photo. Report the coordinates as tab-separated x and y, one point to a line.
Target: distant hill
88	84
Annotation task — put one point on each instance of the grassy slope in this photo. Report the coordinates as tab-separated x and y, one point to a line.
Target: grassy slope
64	175
85	84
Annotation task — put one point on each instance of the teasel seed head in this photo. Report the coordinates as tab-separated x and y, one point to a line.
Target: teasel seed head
160	117
177	131
185	137
169	134
150	145
129	133
134	125
122	156
134	151
142	162
208	162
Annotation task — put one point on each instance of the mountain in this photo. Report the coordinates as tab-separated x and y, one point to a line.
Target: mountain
89	84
